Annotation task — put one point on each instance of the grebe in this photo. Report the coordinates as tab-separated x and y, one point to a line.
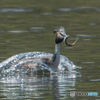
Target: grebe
35	60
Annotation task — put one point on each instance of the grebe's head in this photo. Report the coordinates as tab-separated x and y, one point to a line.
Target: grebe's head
62	36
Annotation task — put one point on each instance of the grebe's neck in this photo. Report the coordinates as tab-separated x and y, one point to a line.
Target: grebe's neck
57	49
56	56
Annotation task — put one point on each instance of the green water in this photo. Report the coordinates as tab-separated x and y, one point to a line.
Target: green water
32	30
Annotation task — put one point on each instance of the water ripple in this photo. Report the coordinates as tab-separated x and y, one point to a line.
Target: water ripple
81	35
79	8
5	10
95	80
32	29
86	39
88	62
47	13
17	31
37	28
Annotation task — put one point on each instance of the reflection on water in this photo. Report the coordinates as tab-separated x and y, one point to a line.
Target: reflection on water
95	80
37	27
86	39
5	10
32	29
14	10
81	35
92	24
17	31
79	8
2	31
88	62
69	47
35	86
47	13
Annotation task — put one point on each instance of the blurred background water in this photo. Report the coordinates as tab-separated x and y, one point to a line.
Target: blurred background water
27	26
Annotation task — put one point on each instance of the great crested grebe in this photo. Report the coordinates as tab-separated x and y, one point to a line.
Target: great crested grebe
32	60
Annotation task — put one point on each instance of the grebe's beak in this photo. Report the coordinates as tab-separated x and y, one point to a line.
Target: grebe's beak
56	30
71	43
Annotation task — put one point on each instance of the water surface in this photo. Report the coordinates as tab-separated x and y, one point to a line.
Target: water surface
27	26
